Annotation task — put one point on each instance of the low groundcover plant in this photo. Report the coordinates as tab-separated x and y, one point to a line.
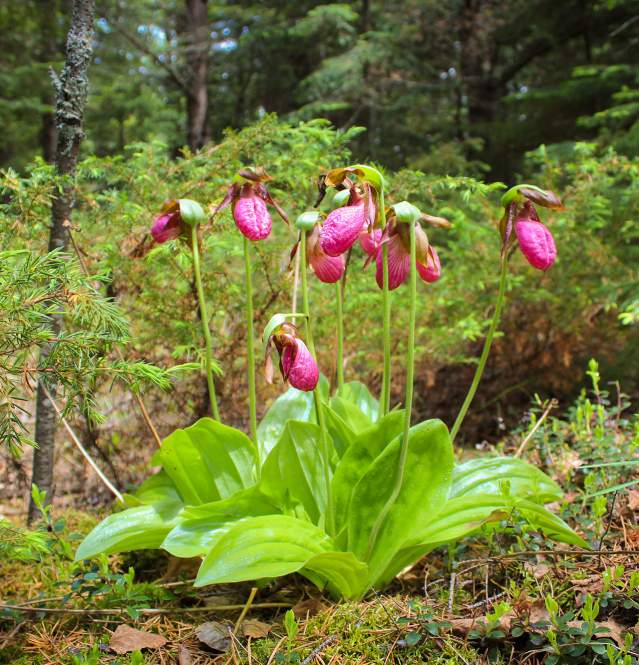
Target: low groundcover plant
332	484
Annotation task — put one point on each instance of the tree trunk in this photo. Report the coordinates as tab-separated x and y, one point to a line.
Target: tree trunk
197	58
49	52
71	95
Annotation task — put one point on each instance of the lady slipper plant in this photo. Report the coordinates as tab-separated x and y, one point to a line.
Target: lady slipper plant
334	486
182	218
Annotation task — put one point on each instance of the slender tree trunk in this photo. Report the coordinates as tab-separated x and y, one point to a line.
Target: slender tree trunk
49	52
71	95
197	57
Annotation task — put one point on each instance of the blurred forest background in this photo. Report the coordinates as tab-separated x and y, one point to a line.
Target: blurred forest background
447	97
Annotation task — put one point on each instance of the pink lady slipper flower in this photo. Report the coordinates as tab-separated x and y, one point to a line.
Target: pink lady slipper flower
344	225
175	218
248	199
297	365
535	239
398	243
328	269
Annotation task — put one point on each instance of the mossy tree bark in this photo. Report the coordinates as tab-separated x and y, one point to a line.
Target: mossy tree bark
71	95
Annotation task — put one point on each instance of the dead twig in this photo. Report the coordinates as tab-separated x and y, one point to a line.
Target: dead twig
319	649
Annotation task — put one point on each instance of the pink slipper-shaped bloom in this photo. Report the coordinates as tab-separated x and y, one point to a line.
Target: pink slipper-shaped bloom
299	367
535	240
251	216
342	228
167	226
432	271
370	242
398	263
328	269
399	258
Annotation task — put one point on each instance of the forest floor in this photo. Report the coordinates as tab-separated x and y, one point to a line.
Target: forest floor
506	596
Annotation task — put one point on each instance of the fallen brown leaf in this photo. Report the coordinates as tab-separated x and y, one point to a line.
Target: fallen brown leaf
633	499
126	639
256	629
309	607
184	656
215	635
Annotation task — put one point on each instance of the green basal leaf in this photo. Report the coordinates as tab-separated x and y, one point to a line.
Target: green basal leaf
358	458
258	547
340	433
292	405
357	393
425	487
138	528
346	576
351	414
200	527
209	461
191	212
295	467
496	475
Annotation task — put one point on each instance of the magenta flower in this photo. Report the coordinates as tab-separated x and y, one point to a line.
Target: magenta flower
535	240
167	226
251	215
370	242
344	225
249	200
328	269
428	265
297	365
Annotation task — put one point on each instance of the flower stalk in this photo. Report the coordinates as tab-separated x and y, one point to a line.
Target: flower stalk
340	334
408	401
204	317
384	401
485	351
325	451
250	339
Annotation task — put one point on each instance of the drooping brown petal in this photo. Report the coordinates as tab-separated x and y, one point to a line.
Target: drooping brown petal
545	198
232	193
439	222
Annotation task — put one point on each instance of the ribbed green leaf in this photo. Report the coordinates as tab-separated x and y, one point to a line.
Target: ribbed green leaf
424	490
258	547
341	434
292	405
208	461
139	528
358	458
295	467
347	577
357	393
491	475
201	526
351	413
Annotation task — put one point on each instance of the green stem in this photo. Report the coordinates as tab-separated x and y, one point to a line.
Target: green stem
340	335
384	401
325	450
408	402
250	339
485	351
204	317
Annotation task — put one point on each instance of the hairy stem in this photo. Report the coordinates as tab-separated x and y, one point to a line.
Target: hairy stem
250	339
340	335
408	402
485	351
325	449
205	323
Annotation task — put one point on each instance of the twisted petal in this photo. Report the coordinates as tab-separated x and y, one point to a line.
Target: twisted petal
328	269
252	217
166	227
341	228
299	366
398	264
536	243
432	271
370	241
